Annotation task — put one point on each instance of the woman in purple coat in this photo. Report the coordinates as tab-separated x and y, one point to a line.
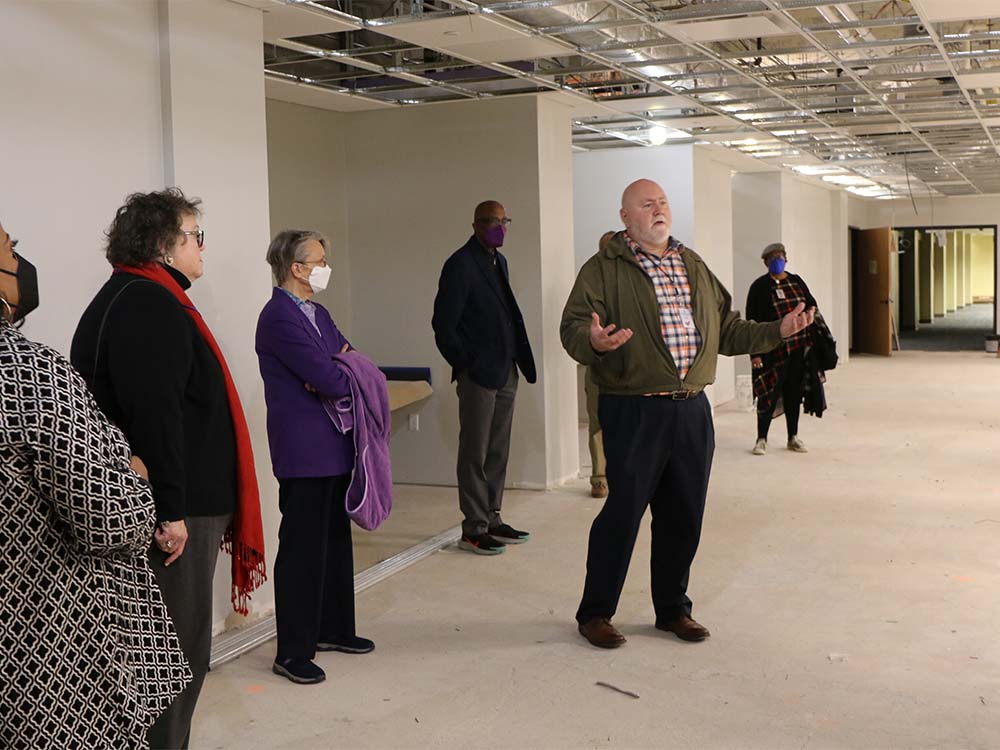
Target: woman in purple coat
314	569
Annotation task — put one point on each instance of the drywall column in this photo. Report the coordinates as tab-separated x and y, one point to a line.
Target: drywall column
812	222
416	175
307	162
939	277
557	266
950	281
925	274
807	229
838	308
215	147
968	270
713	239
982	266
81	131
960	250
756	223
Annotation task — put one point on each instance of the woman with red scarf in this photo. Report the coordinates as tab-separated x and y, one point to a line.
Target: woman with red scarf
156	370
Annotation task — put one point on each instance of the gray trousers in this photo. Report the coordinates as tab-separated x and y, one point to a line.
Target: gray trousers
187	591
485	417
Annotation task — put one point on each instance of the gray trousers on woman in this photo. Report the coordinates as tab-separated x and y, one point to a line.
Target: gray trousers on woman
187	591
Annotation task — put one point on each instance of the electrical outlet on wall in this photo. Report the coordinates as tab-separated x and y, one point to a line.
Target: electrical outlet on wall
414	423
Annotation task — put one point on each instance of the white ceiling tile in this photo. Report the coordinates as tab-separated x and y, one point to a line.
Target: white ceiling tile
937	11
285	22
314	96
986	79
723	29
698	121
649	103
584	107
474	37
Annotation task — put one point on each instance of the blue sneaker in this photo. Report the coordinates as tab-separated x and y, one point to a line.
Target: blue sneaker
351	644
299	671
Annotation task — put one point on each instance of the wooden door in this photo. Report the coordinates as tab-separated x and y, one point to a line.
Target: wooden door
874	297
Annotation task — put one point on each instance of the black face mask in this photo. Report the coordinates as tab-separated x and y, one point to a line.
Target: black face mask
27	289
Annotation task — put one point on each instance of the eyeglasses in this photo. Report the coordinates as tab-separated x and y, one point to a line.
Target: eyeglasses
320	262
199	235
494	221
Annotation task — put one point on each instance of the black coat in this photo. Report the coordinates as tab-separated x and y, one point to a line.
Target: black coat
157	379
477	324
759	304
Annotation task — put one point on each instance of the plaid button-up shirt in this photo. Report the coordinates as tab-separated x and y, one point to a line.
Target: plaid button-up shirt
673	294
306	307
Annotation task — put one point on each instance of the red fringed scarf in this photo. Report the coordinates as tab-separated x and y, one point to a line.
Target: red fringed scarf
244	538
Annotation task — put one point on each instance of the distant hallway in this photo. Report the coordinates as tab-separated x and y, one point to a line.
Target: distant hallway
962	330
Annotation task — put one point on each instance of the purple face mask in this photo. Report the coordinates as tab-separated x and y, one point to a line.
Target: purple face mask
494	236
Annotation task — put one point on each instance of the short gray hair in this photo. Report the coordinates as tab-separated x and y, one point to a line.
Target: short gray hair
287	247
774	247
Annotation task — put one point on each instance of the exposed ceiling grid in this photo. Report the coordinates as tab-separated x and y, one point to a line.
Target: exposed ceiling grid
885	98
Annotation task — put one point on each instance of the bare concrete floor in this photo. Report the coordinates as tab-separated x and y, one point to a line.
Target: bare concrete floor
853	595
418	513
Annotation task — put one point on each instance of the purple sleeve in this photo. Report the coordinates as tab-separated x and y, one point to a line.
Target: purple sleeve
297	350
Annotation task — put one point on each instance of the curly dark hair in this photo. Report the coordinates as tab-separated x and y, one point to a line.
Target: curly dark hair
146	224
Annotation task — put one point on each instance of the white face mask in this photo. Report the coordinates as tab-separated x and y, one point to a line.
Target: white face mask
319	277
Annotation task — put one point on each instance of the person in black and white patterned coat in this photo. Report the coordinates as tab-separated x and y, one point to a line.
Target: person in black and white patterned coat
88	655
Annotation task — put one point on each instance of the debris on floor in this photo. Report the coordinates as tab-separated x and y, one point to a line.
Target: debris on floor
837	657
617	689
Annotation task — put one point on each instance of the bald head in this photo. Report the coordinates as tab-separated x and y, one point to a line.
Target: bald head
488	209
490	224
639	190
646	215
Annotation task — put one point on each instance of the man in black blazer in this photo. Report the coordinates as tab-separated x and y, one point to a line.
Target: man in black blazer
478	328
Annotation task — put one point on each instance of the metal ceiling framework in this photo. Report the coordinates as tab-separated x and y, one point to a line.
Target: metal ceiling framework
885	98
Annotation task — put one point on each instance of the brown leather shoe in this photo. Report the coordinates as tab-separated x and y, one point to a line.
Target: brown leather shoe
601	633
685	628
599	489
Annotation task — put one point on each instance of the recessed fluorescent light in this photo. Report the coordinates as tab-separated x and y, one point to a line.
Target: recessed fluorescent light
810	170
848	179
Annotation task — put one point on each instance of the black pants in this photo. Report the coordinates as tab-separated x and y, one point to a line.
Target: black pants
791	397
314	569
659	453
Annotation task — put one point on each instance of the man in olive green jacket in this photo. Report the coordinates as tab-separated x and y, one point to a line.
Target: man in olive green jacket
650	320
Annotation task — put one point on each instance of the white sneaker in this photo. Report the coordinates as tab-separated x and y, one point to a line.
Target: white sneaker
795	444
760	447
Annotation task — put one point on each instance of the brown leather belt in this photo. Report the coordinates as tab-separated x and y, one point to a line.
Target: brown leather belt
677	395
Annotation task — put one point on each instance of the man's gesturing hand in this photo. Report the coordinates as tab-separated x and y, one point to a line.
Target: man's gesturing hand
797	320
606	338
